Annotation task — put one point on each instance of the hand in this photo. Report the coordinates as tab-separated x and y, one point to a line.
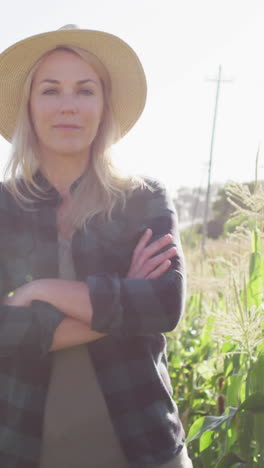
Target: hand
146	261
21	296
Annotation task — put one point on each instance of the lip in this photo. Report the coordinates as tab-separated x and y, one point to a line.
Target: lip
67	126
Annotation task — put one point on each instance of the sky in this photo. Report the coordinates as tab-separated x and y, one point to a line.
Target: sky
181	44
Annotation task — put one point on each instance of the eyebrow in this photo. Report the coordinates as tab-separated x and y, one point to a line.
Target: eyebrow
86	80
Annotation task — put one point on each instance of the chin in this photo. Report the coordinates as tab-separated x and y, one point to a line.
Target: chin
69	150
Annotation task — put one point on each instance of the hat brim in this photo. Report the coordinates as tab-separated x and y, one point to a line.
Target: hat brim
128	82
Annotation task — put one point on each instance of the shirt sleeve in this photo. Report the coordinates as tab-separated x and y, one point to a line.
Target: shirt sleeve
28	330
127	306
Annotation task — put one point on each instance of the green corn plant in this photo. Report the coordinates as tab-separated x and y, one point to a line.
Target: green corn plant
218	374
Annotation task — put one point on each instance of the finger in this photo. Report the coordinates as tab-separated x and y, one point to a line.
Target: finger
143	241
154	248
160	270
158	244
152	263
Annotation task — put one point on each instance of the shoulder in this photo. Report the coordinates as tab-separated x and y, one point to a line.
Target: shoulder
150	184
149	206
4	194
150	197
6	199
9	207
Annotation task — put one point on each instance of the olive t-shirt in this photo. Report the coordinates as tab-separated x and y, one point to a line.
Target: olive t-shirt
78	432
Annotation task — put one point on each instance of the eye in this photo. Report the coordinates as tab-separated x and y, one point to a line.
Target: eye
86	91
50	91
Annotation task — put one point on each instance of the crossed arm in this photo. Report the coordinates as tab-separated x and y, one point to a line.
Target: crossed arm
73	299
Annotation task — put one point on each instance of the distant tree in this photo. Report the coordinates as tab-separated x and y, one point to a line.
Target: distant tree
221	209
214	229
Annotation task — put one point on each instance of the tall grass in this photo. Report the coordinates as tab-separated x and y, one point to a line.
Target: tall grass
216	356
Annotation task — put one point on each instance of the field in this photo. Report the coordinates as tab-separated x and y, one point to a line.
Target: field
216	354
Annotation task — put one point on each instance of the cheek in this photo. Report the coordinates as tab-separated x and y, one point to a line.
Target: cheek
94	112
94	108
41	111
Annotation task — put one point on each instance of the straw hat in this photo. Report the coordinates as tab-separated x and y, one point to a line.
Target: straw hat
127	76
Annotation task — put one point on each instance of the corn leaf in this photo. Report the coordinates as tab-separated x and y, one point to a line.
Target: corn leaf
254	403
209	423
228	460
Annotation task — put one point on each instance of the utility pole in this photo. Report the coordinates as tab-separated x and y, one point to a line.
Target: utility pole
207	201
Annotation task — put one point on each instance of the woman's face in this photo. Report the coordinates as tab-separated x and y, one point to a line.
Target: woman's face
66	104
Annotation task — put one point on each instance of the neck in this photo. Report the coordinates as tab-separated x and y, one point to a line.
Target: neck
62	171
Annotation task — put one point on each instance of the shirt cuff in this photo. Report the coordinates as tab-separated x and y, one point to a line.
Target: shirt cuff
48	318
104	291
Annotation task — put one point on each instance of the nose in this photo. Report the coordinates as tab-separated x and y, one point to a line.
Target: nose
68	104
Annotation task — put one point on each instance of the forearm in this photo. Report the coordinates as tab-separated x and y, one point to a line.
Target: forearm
70	297
72	332
27	331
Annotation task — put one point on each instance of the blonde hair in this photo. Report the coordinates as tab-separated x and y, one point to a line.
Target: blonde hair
101	186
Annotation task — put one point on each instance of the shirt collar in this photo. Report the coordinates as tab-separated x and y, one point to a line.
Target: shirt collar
50	193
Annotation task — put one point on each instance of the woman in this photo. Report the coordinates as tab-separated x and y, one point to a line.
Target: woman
92	271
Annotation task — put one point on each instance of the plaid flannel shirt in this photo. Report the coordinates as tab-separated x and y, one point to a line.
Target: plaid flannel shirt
130	362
